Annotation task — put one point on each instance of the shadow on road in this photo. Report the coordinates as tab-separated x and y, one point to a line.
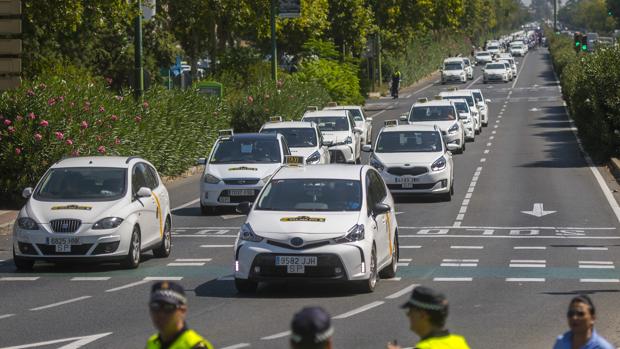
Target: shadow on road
276	290
578	292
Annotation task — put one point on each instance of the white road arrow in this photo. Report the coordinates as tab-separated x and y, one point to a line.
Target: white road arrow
534	109
538	211
76	342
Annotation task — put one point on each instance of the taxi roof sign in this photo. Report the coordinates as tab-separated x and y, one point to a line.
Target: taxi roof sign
226	133
275	119
390	123
453	89
312	108
332	104
422	100
293	160
438	98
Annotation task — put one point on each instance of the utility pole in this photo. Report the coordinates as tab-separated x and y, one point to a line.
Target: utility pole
555	16
138	53
274	49
379	58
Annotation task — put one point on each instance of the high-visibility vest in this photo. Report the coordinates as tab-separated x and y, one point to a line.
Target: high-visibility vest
188	340
451	341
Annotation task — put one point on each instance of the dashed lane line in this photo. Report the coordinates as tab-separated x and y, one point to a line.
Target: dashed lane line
19	278
445	279
525	279
187	204
592	249
5	316
359	310
529	248
402	292
90	278
146	280
216	246
237	346
410	246
186	264
60	303
276	336
467	247
599	280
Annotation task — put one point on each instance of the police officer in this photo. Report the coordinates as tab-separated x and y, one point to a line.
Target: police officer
427	310
395	83
311	328
168	307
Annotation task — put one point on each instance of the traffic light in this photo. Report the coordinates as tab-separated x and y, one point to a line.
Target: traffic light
577	38
584	43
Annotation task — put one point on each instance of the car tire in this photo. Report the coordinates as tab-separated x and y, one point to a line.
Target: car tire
132	260
484	81
23	264
163	250
368	286
208	210
246	286
390	271
447	197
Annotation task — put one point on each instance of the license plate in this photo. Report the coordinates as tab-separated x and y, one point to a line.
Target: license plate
406	179
407	185
225	199
295	269
63	241
63	248
241	192
311	261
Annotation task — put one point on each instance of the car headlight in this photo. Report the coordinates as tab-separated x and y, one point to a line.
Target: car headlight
439	164
27	223
466	121
108	223
356	233
247	234
211	179
453	129
376	164
348	140
313	158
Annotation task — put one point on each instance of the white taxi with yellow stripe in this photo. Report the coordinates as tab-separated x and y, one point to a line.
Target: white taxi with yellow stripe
333	223
94	208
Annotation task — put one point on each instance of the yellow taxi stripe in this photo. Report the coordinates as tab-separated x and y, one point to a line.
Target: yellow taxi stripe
389	229
161	228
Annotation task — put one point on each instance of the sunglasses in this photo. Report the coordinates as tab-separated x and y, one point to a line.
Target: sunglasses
162	307
577	313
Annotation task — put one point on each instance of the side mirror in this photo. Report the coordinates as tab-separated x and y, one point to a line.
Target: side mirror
358	130
328	143
27	192
488	101
367	148
404	117
244	207
381	208
452	147
462	116
144	192
369	119
201	161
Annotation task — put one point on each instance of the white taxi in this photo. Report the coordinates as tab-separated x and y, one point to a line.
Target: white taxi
361	120
339	133
453	71
469	122
238	167
471	102
469	70
333	223
303	138
94	208
495	71
440	112
482	105
483	57
413	159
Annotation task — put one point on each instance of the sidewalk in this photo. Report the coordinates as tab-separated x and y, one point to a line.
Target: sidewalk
7	218
381	103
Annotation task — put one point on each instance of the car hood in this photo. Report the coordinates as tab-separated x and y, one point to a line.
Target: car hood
308	225
453	72
413	159
443	125
304	151
224	171
335	136
87	212
495	71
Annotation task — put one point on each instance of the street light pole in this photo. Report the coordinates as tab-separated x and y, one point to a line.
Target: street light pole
274	50
555	16
139	70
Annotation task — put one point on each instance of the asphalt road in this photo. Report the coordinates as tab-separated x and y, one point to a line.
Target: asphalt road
508	274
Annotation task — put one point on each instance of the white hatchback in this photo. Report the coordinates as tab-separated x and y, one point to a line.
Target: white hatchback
361	120
94	208
303	138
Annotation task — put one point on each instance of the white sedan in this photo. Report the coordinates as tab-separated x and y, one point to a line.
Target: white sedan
318	223
303	139
94	208
361	120
495	72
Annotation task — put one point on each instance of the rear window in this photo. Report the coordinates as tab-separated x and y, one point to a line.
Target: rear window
433	113
495	66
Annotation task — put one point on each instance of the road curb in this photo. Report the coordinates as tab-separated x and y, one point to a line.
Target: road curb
614	167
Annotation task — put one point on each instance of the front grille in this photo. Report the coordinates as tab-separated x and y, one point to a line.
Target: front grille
413	171
65	225
420	186
26	248
241	181
337	157
326	265
304	247
76	250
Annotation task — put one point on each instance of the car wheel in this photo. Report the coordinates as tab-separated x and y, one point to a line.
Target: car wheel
246	285
208	210
163	250
484	81
447	197
368	286
23	264
132	260
390	271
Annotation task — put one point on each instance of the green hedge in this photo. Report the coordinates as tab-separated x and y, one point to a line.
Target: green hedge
591	88
340	79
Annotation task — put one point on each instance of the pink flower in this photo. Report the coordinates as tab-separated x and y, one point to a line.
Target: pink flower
37	137
11	129
7	122
30	93
279	83
84	125
59	136
42	86
138	118
114	117
51	102
18	151
69	141
31	116
108	80
19	118
75	153
101	149
101	109
117	140
61	98
145	105
44	123
250	99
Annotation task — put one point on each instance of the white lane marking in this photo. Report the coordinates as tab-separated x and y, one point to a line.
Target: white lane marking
492	137
587	266
458	265
237	346
405	259
408	96
468	196
193	260
60	303
519	72
483	160
525	279
202	236
276	336
463	209
489	144
186	264
185	205
6	316
600	280
19	278
216	246
511	236
137	283
411	246
473	82
486	151
452	279
424	88
402	292
466	247
592	248
494	132
460	260
90	278
508	227
465	202
397	278
359	310
597	262
470	190
78	342
524	265
528	261
457	224
530	248
402	264
460	216
538	210
145	281
496	126
209	228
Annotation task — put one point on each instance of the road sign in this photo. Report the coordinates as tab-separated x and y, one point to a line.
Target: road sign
210	88
290	8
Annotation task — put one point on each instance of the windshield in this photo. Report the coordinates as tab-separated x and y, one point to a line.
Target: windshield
296	137
462	107
453	66
478	97
492	48
357	114
244	151
495	66
433	113
83	184
482	54
408	142
517	46
330	123
468	98
311	195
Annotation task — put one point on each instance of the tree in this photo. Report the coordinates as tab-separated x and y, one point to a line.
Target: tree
350	24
